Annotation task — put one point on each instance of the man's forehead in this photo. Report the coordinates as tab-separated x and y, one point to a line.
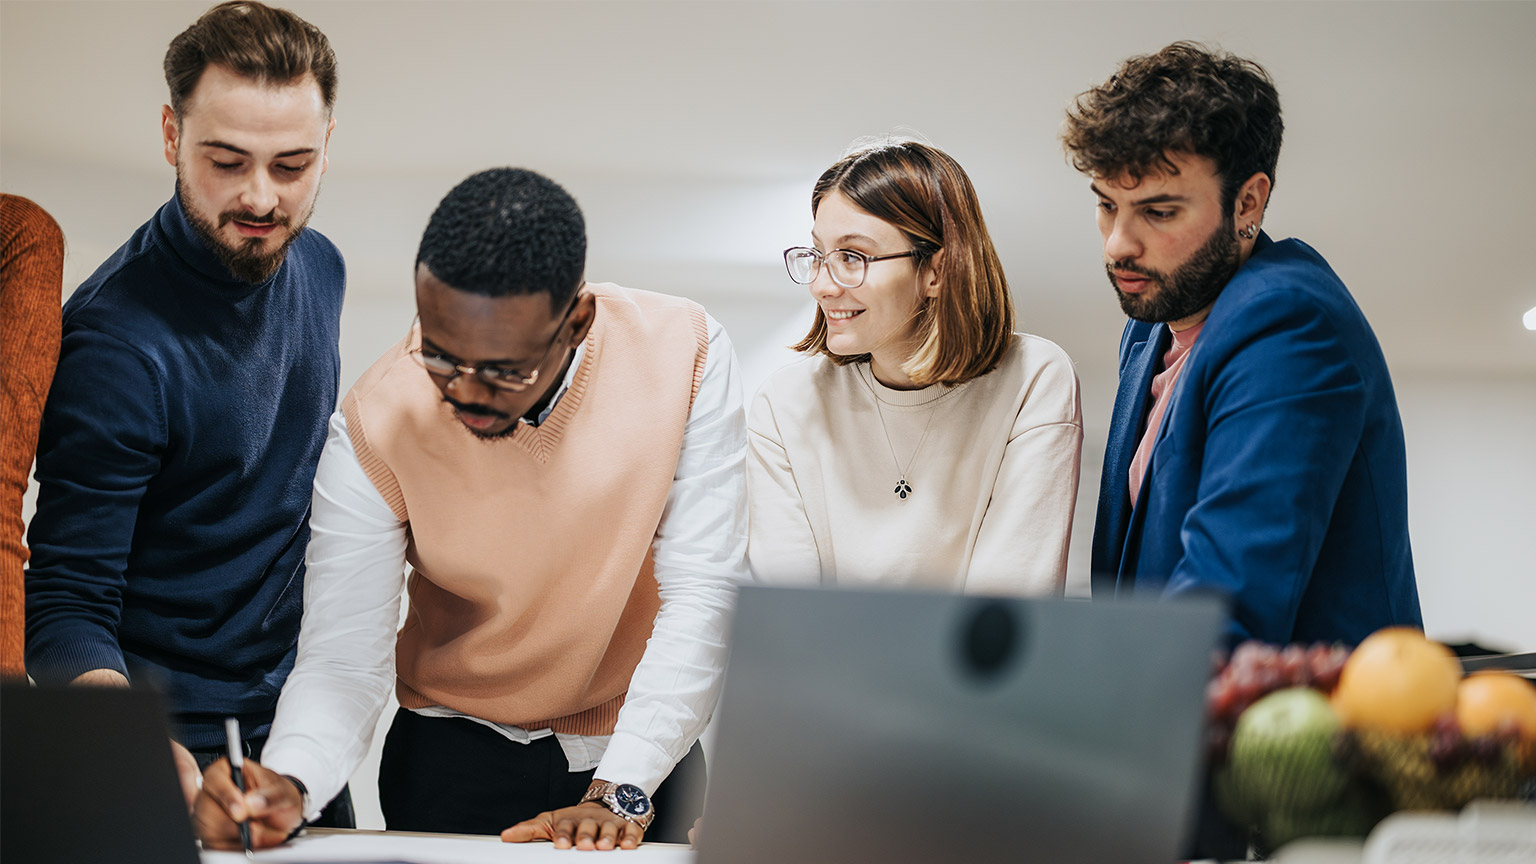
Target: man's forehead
512	323
480	340
1184	173
223	95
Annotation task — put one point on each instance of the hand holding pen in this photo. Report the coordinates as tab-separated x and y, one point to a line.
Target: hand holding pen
261	815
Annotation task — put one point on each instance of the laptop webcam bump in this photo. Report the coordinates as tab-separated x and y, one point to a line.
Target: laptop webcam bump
991	639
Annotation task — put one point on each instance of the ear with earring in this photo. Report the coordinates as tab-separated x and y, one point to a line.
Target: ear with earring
1250	232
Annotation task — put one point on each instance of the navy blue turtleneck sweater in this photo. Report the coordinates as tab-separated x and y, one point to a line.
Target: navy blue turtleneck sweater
175	466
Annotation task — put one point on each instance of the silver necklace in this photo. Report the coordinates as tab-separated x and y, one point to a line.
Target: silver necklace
903	489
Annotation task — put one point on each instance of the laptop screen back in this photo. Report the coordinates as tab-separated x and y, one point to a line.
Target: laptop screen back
897	727
86	775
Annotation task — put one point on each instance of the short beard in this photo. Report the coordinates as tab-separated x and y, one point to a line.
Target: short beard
1192	287
243	261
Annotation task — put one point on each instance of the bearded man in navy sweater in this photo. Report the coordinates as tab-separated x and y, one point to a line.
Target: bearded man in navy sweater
198	367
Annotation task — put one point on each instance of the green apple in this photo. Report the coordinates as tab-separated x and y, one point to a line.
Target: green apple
1282	753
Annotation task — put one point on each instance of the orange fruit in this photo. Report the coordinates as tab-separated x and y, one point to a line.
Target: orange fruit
1397	681
1487	700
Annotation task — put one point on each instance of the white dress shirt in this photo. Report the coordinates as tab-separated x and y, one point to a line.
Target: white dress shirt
356	575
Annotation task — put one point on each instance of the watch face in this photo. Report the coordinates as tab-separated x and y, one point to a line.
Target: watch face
632	799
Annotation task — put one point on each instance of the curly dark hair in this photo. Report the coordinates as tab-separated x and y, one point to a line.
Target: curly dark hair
254	41
1183	99
507	231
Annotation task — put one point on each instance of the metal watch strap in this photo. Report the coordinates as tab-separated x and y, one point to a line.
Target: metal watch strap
598	792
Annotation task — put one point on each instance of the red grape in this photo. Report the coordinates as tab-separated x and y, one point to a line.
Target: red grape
1293	666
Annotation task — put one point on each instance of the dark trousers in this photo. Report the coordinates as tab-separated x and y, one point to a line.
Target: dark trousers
337	814
451	775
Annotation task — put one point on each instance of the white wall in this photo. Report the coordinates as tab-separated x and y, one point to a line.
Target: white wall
1472	504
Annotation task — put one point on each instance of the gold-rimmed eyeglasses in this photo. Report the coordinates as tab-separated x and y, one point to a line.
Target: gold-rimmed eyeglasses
498	377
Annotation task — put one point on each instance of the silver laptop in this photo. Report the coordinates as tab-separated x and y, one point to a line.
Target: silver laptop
907	727
86	776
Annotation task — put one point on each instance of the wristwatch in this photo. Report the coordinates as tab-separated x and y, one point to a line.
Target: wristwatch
303	805
303	792
626	799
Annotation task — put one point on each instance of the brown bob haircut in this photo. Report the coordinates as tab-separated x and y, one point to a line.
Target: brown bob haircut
926	195
253	40
1183	99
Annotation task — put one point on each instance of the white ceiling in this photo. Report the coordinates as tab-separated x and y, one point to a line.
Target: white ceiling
691	134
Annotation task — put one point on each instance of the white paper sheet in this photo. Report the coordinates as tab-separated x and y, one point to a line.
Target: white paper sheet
378	847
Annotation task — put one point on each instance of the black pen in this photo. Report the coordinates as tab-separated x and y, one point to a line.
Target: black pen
237	773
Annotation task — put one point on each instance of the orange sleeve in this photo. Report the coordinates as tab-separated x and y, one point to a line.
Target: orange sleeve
31	283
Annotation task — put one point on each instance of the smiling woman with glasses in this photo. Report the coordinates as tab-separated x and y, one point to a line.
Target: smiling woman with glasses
923	442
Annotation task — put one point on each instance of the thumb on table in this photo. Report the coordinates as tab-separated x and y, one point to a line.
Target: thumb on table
539	827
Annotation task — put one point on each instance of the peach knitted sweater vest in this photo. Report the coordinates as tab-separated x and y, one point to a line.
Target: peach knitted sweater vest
531	592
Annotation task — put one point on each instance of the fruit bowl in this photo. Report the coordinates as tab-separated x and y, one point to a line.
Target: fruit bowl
1321	741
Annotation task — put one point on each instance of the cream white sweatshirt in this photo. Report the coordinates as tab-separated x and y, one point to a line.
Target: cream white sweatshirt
993	476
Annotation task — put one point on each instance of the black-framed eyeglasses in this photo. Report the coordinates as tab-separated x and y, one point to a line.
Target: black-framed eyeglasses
497	377
846	267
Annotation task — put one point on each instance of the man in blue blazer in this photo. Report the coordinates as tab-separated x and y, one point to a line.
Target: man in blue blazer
1256	449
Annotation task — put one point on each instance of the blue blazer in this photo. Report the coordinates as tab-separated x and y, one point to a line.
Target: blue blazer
1279	477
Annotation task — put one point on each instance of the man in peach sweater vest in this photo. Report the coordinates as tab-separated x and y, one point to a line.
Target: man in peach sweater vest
561	466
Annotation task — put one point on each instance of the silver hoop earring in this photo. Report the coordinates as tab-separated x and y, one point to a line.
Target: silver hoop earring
1250	232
